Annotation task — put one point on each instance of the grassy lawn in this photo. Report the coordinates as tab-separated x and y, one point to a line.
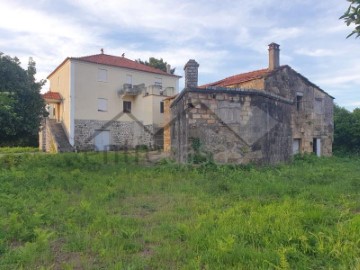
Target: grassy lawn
16	150
76	211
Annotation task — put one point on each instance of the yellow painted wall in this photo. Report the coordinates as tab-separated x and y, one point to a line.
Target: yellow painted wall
60	82
88	89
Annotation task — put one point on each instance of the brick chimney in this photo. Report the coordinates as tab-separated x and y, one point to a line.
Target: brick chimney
274	56
191	73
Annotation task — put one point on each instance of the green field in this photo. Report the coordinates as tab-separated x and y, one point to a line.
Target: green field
82	211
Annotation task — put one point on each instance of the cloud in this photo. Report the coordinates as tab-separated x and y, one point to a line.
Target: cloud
317	52
226	37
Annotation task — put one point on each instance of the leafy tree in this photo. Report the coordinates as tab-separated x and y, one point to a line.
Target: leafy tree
21	105
352	16
347	130
156	63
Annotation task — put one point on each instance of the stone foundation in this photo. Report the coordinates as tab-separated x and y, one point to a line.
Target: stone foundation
122	134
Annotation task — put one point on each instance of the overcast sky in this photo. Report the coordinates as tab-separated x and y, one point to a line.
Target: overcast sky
225	37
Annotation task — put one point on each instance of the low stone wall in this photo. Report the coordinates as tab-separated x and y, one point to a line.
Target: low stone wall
122	134
47	142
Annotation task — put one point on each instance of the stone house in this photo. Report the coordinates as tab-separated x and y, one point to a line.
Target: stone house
101	101
264	116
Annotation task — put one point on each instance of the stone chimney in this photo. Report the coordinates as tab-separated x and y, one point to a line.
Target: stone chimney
168	69
274	56
191	73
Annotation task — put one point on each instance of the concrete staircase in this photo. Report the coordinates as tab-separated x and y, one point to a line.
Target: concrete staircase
59	135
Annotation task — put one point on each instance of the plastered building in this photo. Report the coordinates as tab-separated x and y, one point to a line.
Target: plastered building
101	102
264	116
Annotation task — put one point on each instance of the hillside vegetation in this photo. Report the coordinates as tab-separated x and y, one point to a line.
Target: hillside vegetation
90	211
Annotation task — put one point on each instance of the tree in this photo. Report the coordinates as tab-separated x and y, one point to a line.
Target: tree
347	130
21	105
156	63
352	16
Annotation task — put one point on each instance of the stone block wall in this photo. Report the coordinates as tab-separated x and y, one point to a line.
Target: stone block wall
314	118
122	134
231	126
167	119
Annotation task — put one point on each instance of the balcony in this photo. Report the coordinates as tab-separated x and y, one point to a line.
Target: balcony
159	90
131	90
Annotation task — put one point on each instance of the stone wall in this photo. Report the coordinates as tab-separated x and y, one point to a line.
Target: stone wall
231	126
122	134
257	84
167	119
47	142
314	117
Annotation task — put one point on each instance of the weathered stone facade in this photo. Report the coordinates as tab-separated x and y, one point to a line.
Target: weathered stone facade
123	134
264	116
231	126
312	115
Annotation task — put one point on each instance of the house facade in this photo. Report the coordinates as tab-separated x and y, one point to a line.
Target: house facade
103	102
264	116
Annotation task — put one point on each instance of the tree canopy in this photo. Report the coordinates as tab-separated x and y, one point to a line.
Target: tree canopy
21	105
352	16
156	63
347	130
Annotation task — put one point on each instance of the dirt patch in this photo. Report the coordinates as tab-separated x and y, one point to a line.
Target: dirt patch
62	257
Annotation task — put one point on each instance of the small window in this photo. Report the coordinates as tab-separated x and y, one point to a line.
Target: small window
158	82
318	106
127	106
102	75
161	107
298	102
102	105
129	79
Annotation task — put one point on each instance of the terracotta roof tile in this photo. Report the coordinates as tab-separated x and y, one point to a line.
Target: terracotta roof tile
117	61
52	95
239	78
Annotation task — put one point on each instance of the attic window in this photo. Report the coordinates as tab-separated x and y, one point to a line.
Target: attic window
298	102
102	75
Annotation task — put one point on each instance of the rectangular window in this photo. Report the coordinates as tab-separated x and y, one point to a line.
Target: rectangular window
296	146
127	106
318	106
102	105
129	79
158	82
298	102
317	146
161	107
102	75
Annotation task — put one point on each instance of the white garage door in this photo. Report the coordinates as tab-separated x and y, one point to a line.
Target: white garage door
102	140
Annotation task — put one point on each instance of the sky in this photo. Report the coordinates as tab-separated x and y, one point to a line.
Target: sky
226	37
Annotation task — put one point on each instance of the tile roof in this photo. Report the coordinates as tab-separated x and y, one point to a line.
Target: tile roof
116	61
52	95
240	78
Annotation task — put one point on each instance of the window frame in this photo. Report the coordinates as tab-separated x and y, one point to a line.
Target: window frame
127	106
162	107
102	77
102	104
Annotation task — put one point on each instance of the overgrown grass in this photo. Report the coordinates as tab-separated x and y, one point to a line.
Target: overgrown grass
85	211
16	150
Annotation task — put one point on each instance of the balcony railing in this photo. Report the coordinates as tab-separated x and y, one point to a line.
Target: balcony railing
134	90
